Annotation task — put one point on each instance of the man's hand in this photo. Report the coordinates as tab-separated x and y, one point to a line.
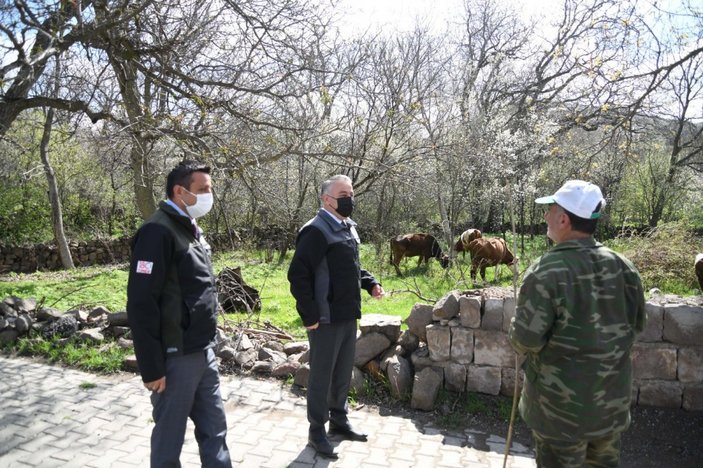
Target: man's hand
157	386
377	291
313	326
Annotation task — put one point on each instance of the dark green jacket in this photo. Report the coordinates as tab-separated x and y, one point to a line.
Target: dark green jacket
578	311
171	294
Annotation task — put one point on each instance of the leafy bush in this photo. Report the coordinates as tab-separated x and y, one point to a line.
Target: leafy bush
664	256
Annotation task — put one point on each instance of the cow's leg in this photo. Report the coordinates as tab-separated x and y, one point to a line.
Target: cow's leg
396	263
474	267
483	272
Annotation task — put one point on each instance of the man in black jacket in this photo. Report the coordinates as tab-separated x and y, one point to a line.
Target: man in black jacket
325	278
172	310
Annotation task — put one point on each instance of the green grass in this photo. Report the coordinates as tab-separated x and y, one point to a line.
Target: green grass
106	359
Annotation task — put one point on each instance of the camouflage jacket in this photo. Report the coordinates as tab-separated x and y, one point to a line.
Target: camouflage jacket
578	310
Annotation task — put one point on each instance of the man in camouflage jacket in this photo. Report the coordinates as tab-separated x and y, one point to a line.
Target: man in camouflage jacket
578	311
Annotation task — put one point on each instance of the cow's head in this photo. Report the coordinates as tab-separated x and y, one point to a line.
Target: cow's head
444	261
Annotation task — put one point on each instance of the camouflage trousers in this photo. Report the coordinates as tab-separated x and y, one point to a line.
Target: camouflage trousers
601	453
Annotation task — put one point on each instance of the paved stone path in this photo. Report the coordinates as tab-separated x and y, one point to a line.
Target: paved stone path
51	416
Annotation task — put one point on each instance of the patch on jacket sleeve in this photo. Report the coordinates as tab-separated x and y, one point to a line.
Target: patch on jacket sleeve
144	267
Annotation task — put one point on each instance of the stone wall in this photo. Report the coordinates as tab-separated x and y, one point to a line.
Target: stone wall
30	258
463	339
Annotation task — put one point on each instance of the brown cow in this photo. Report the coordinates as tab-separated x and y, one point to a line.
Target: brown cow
699	269
413	245
462	245
487	252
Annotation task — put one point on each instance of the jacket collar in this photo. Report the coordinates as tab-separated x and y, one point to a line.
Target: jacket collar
585	243
334	223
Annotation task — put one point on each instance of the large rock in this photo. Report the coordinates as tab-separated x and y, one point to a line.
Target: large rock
462	350
129	363
23	324
8	336
296	347
421	359
247	358
426	385
420	316
80	315
358	380
492	314
470	311
409	342
118	319
447	307
690	365
267	354
22	306
654	361
302	375
455	377
438	342
660	393
91	335
483	379
683	324
242	342
388	325
693	397
492	348
655	322
48	314
400	376
289	367
368	346
64	327
97	314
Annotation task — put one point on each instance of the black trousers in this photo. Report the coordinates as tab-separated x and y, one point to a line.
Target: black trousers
332	348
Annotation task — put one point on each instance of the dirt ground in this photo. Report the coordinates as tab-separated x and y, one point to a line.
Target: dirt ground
657	437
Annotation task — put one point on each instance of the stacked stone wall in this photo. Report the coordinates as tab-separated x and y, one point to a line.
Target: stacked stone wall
30	258
472	351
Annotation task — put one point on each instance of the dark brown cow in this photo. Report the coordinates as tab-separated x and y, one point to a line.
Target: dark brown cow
487	251
462	245
413	245
699	269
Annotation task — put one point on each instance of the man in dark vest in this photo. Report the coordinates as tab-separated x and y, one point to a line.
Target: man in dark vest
172	310
325	278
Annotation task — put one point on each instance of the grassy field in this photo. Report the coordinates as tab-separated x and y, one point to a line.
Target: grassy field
663	260
92	286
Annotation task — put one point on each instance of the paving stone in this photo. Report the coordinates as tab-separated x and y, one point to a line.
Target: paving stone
110	426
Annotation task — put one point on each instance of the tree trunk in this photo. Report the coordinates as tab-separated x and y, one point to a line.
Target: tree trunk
56	214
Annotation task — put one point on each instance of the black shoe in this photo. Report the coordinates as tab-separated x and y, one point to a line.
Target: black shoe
323	448
347	432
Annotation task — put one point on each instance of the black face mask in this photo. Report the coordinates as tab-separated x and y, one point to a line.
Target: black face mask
345	206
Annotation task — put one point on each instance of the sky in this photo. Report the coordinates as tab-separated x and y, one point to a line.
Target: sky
401	15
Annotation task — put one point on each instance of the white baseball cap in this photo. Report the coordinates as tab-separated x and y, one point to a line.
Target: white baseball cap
578	197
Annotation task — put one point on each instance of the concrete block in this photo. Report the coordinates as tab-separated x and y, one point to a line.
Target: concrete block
470	311
438	342
492	314
662	393
655	323
693	397
462	350
507	381
508	312
654	361
483	379
492	348
455	377
690	365
683	324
